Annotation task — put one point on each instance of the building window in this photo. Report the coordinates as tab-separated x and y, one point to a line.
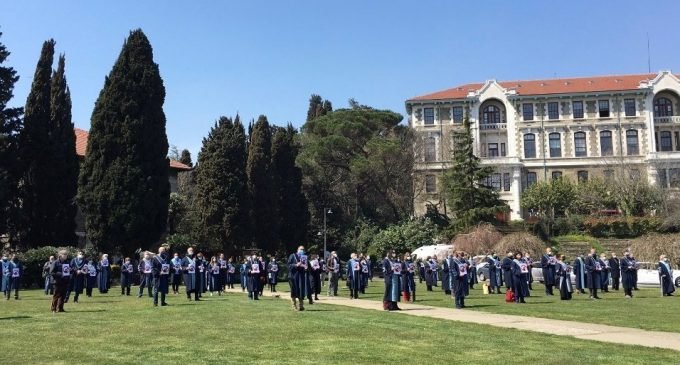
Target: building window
491	115
580	149
674	178
555	145
553	110
503	149
632	144
603	106
666	142
430	149
582	176
556	175
663	107
493	149
528	111
531	179
458	114
629	107
428	114
661	178
430	184
506	181
496	181
529	145
606	145
608	174
577	106
677	140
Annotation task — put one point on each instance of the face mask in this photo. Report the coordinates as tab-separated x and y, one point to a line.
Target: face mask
164	255
190	253
80	257
665	259
4	259
301	252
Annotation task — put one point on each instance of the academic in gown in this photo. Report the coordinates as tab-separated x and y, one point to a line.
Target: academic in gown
161	278
90	277
297	278
126	274
145	277
666	278
593	274
628	268
520	285
392	270
104	283
506	267
564	280
78	280
580	273
446	284
408	282
191	277
354	277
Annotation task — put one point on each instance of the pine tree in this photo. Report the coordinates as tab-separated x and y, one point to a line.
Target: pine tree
261	187
221	194
36	149
469	195
123	185
65	185
185	158
10	123
318	107
294	213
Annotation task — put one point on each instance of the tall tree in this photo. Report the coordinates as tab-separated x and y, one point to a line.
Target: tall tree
318	107
10	124
261	187
123	184
36	150
185	158
294	212
221	193
469	196
65	185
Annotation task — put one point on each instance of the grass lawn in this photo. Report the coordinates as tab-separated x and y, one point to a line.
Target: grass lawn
647	310
229	329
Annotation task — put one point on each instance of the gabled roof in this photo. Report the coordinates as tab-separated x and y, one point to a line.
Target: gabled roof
549	86
81	147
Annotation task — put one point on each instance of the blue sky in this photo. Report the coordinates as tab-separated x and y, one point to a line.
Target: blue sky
266	57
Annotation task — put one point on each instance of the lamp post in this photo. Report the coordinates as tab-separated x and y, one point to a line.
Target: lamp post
325	211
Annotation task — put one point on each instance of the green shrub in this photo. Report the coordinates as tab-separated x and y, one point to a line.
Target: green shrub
621	227
33	261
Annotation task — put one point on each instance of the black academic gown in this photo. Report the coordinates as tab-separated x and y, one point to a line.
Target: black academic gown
520	286
666	278
627	271
297	276
615	272
593	272
564	280
506	266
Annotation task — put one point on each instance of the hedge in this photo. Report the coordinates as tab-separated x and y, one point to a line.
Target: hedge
621	227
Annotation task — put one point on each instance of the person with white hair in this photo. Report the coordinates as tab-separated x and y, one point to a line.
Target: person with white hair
666	277
161	276
145	275
60	272
104	274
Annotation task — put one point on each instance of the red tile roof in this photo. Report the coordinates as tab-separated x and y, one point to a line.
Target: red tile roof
81	148
549	86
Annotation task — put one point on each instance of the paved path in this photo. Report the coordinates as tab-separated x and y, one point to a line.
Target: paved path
580	330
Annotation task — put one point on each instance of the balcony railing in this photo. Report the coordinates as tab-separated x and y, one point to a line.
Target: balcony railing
665	120
493	126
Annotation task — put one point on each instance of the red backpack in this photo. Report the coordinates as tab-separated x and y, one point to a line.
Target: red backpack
509	296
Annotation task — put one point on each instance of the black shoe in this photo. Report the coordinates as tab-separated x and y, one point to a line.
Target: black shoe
164	304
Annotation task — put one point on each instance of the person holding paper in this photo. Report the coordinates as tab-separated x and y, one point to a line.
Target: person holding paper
604	276
615	271
666	277
446	277
520	272
90	270
628	269
564	278
78	281
215	276
191	278
231	273
223	271
253	278
60	272
457	278
548	267
161	276
593	273
354	276
145	275
333	267
506	268
104	283
315	276
392	270
365	272
7	267
408	282
126	274
495	282
176	270
297	277
272	274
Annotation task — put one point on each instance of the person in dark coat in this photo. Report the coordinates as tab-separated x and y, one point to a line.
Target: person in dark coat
666	277
231	273
548	263
564	278
272	274
604	276
494	274
392	269
520	272
297	277
408	282
215	275
49	287
145	275
635	273
91	269
78	280
353	276
530	261
615	271
334	268
192	279
6	273
430	273
127	270
60	272
253	278
593	273
315	276
458	272
176	277
104	278
580	273
161	276
506	267
628	270
446	282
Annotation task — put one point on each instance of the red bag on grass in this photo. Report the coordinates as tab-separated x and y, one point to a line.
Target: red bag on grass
509	296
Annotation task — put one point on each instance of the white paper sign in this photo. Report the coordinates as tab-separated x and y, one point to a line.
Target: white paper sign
65	270
165	269
15	273
523	268
255	268
191	269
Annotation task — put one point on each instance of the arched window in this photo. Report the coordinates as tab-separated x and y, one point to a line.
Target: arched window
430	149
606	145
632	144
555	145
580	148
529	145
491	114
663	107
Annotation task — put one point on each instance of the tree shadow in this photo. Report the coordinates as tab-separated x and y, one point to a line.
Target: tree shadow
15	317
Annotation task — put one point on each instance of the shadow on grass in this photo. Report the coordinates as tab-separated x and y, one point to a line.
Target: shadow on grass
88	311
15	317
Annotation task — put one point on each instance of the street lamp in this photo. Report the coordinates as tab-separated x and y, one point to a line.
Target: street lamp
325	211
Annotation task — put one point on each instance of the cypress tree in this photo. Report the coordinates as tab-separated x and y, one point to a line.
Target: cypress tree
221	194
37	160
294	212
65	186
318	107
10	123
185	158
264	212
123	184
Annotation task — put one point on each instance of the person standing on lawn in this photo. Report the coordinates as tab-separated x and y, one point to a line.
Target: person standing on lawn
605	272
60	272
506	266
666	277
564	278
78	281
272	274
628	269
458	279
297	277
161	276
90	271
127	271
392	270
49	288
580	273
215	283
408	282
615	271
104	274
520	272
333	274
548	263
594	272
315	276
253	278
191	277
145	275
494	274
231	273
446	279
176	263
365	269
353	276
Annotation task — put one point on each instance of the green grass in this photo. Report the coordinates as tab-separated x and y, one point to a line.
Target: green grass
647	310
111	329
